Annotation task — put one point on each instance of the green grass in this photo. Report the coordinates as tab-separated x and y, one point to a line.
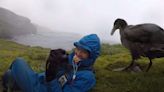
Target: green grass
35	56
112	57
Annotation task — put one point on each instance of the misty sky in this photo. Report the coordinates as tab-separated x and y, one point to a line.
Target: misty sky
88	16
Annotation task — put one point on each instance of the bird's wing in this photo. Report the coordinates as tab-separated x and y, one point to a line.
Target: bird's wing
144	33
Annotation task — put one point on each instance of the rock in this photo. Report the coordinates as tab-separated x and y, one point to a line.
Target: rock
119	69
134	68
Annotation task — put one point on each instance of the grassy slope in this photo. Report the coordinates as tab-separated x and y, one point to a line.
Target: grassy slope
35	56
112	57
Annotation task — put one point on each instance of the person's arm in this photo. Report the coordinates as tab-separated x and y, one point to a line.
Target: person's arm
84	81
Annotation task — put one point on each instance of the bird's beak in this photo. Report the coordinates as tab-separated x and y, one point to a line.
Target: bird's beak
112	32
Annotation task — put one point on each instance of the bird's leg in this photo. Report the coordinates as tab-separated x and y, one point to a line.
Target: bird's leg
150	64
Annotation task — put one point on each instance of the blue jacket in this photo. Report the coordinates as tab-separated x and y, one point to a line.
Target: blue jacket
29	81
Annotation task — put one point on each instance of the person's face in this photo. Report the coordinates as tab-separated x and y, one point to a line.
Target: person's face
81	53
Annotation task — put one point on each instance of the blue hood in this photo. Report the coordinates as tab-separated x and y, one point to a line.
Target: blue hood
92	44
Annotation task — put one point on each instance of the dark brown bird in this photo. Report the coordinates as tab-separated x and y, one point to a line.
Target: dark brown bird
145	40
57	59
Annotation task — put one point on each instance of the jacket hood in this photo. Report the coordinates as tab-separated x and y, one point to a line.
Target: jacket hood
90	43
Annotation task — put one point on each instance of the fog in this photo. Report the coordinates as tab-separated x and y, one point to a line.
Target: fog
88	16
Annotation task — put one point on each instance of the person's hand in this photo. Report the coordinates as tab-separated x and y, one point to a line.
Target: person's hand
76	59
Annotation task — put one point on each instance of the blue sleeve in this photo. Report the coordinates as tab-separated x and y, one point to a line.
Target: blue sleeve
84	82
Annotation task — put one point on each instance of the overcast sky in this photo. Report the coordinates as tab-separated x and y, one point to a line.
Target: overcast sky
88	16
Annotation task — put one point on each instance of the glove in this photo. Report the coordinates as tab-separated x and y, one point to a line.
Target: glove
63	80
67	77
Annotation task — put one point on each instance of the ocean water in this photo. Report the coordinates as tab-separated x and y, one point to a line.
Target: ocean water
48	39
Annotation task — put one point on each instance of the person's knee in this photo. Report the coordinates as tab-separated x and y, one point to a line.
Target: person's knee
18	61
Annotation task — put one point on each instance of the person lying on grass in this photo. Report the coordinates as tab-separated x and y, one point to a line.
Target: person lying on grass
81	78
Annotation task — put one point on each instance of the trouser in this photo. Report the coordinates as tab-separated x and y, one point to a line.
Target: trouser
21	75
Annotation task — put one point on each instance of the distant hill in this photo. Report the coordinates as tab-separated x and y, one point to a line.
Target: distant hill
12	25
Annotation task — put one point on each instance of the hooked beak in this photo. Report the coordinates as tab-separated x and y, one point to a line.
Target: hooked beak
65	56
112	32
